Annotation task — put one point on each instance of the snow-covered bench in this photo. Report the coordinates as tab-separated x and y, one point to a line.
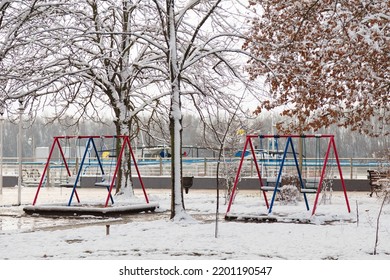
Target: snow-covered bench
378	180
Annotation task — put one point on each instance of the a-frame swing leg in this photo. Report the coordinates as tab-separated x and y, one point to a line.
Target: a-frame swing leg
279	176
258	172
90	140
136	168
289	142
331	144
321	178
44	170
56	141
100	165
237	176
336	155
234	189
126	141
118	161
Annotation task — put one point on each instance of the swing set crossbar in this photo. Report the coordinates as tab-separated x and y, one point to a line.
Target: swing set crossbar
292	136
89	136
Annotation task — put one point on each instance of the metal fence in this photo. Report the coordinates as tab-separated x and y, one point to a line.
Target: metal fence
352	168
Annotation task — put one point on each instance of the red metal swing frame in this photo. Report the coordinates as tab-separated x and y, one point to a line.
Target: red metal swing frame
249	143
125	143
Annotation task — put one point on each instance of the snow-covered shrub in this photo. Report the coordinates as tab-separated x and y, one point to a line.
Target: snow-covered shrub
290	194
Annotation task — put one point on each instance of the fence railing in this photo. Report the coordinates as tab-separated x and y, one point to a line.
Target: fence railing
352	168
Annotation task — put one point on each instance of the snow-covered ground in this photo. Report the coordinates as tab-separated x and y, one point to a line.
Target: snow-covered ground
332	234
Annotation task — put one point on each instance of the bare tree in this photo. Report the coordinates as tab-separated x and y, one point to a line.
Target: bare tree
221	134
20	22
89	56
14	17
201	50
128	56
327	62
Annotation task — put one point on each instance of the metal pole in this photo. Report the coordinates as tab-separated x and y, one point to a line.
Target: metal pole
336	155
258	170
237	176
1	151
21	109
351	170
300	153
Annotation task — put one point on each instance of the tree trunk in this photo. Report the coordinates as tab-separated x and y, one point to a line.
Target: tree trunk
123	179
175	117
177	203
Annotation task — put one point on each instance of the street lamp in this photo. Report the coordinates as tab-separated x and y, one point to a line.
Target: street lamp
21	110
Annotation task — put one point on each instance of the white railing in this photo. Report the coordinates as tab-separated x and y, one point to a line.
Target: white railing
352	168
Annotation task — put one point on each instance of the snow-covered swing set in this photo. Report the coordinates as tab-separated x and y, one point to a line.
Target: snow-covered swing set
108	180
303	184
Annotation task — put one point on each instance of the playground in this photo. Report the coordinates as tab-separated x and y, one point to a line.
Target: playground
316	223
332	234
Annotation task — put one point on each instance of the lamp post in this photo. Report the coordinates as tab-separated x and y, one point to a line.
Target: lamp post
1	148
21	109
31	142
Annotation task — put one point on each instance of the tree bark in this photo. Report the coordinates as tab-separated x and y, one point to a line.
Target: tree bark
175	117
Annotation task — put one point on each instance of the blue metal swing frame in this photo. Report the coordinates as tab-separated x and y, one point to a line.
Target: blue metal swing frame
289	142
90	141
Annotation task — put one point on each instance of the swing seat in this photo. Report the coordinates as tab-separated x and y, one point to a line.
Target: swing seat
70	182
311	183
106	182
269	189
103	184
270	182
309	191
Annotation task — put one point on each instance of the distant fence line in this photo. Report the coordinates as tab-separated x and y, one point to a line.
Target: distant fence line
352	168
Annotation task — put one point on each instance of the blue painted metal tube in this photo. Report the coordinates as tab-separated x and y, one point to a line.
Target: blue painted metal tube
79	171
299	174
279	176
100	165
97	156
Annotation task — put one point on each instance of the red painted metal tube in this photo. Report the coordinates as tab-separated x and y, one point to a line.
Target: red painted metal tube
336	155
115	172
258	172
44	170
321	178
136	167
237	176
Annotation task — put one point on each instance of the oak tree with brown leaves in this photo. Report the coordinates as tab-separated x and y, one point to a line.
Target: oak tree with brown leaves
326	62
